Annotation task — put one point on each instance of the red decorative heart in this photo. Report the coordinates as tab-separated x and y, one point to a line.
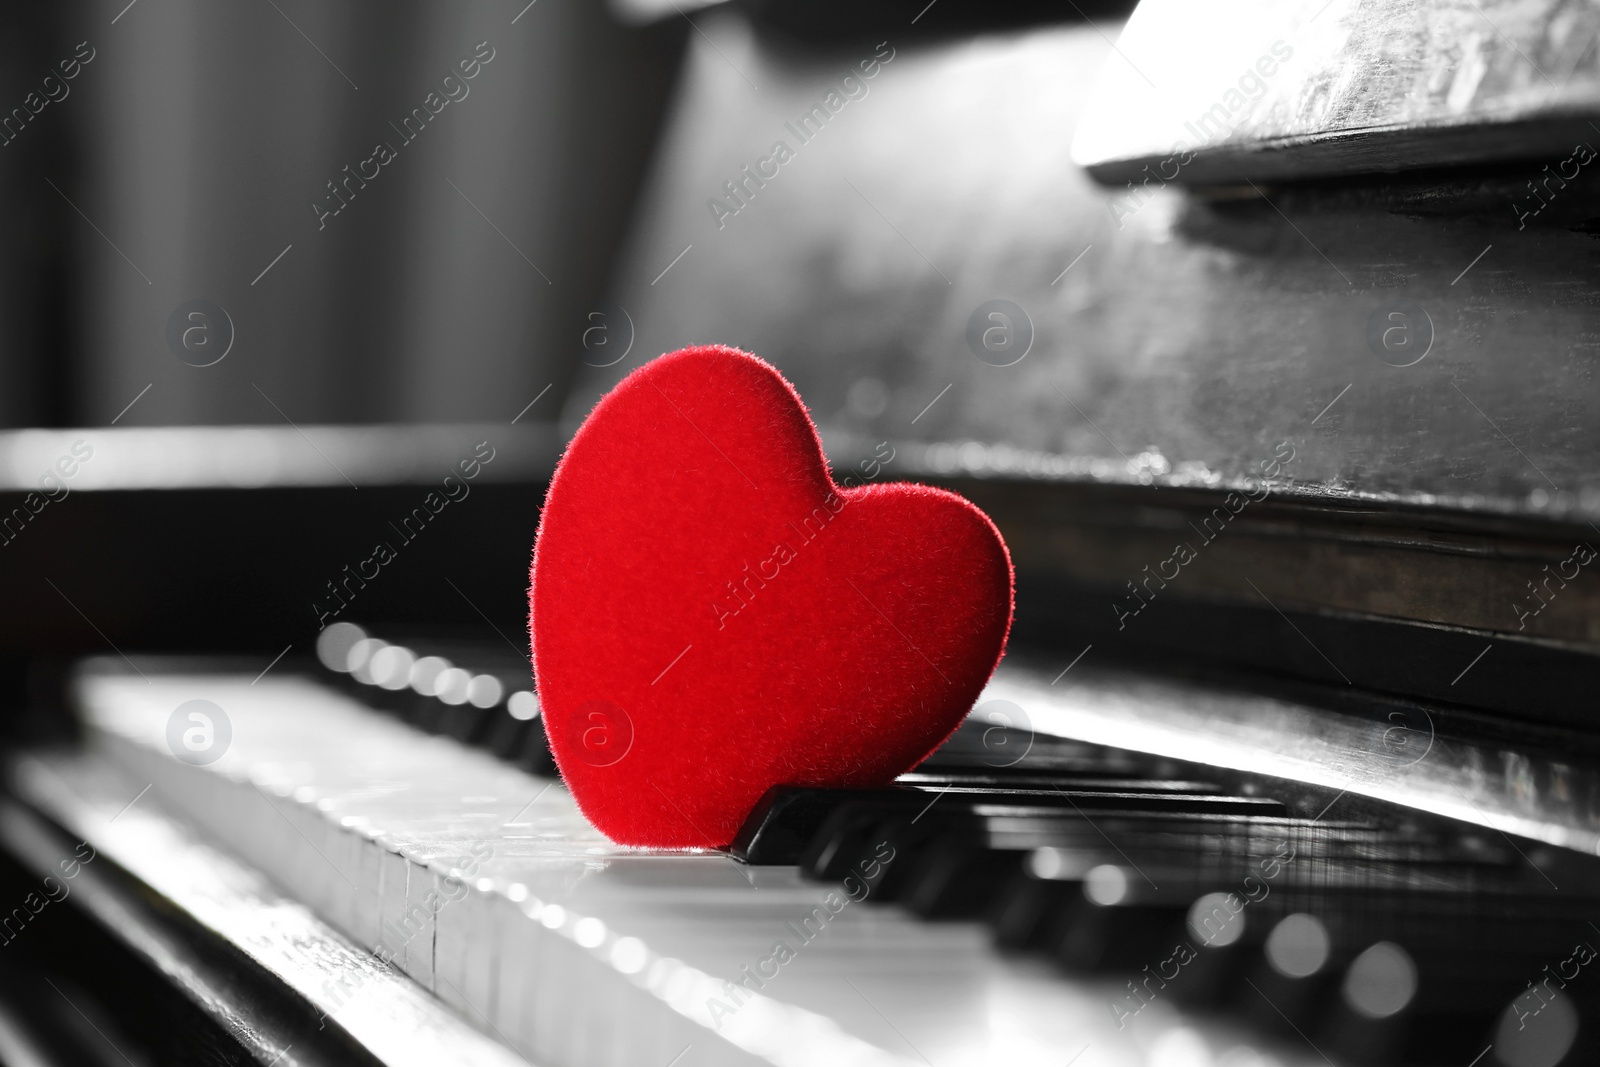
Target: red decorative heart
713	615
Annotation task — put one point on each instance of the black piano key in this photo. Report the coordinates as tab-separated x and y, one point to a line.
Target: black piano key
786	820
964	875
843	837
505	734
535	756
489	701
1014	778
1550	1026
426	713
1367	1022
906	841
464	722
1208	980
1029	911
1464	958
1292	976
958	878
1089	937
1025	808
783	822
1020	912
865	826
515	733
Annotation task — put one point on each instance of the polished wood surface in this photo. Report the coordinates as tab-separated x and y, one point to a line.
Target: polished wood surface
1183	346
1181	339
1255	90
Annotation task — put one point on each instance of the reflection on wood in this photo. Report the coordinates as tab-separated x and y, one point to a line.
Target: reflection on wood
1251	89
1176	340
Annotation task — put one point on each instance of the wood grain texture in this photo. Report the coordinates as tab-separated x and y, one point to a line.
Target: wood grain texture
1251	89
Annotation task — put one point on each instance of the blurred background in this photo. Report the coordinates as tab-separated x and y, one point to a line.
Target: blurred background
196	155
345	243
206	152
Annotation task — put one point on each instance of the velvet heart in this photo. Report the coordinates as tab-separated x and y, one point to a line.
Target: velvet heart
713	615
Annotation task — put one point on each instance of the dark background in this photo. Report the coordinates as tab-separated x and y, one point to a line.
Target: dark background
187	154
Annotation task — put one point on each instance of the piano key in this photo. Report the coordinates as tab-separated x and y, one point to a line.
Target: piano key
1013	780
506	733
1067	862
1294	975
573	931
1016	811
957	878
786	820
461	690
1424	987
463	722
783	821
1097	935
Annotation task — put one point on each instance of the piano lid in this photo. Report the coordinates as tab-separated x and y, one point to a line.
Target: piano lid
1242	90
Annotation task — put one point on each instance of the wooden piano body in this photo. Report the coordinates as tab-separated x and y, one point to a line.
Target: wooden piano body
1259	538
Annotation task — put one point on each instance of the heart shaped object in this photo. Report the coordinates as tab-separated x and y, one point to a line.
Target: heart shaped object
712	615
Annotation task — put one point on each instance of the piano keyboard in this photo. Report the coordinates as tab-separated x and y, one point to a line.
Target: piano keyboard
1020	898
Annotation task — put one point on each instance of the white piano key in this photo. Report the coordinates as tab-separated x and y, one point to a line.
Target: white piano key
578	952
390	1016
467	947
391	935
418	922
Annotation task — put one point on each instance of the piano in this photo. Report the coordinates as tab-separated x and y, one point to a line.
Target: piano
1288	424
